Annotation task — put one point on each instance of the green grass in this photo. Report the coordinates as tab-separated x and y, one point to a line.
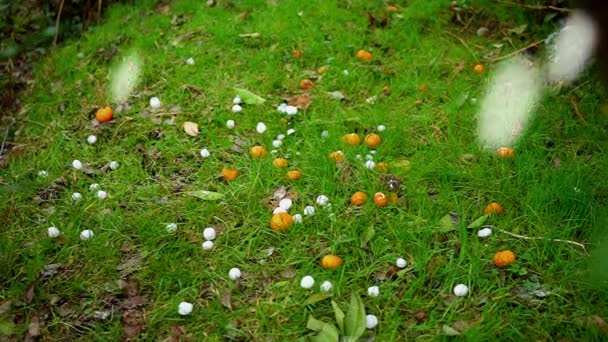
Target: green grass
158	162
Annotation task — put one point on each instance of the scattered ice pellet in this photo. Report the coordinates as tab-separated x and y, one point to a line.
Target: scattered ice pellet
93	186
274	151
77	164
91	139
373	152
209	233
282	107
291	110
370	164
277	143
326	286
102	194
279	210
86	234
324	134
285	203
76	196
234	273
155	102
261	127
205	153
190	61
380	128
401	263
358	156
114	165
473	100
373	291
237	108
461	290
207	245
291	131
345	72
171	227
322	200
230	123
43	173
307	282
237	100
53	232
369	157
297	218
309	210
184	308
371	321
484	232
280	136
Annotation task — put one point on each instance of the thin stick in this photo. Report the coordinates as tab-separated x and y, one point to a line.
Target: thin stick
542	238
99	10
537	7
463	43
5	136
578	112
57	22
517	52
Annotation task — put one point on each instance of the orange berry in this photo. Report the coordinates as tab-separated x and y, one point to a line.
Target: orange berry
229	174
380	199
258	151
493	208
337	155
478	68
104	114
331	261
322	70
281	221
393	198
372	140
297	54
351	139
505	152
280	162
504	258
358	198
363	55
382	167
306	84
294	175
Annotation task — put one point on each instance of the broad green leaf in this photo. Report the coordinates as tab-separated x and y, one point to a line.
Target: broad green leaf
354	323
339	316
205	195
249	97
326	331
448	223
317	297
368	234
478	223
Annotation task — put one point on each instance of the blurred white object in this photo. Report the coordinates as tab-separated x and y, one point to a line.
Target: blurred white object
461	290
171	227
484	232
76	196
190	61
91	139
205	153
86	234
76	164
114	165
261	127
401	263
326	286
207	245
371	321
209	233
307	282
184	308
234	273
53	232
155	102
373	291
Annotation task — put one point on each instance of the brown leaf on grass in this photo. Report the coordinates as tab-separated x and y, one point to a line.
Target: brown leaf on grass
300	101
53	190
129	265
6	307
134	302
227	299
191	128
594	321
33	329
289	273
420	316
237	149
29	293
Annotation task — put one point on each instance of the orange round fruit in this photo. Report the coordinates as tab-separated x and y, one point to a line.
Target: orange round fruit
337	155
229	174
493	208
104	114
393	198
297	54
382	167
504	258
294	175
258	151
363	55
280	162
478	68
505	152
322	70
306	84
331	261
281	221
351	139
372	140
358	198
380	199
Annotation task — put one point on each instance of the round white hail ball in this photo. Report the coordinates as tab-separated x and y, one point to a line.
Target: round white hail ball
291	110
309	210
373	291
322	200
324	134
93	186
171	227
280	136
285	203
77	164
76	196
261	127
43	173
401	263
291	131
307	282
53	232
184	308
86	234
381	128
91	139
461	290
230	123
237	108
207	245
370	164
205	153
237	100
277	143
102	194
155	102
297	218
190	61
371	321
369	157
114	165
234	273
484	232
209	233
326	286
281	107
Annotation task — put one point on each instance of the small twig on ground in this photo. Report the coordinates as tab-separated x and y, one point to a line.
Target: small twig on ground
578	112
99	2
537	7
5	136
542	238
57	22
518	51
463	43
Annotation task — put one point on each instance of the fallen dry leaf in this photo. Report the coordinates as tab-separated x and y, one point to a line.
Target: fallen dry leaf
29	293
33	328
300	101
191	128
288	273
227	299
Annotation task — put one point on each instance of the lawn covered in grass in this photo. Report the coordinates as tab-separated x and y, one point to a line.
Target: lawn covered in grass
129	278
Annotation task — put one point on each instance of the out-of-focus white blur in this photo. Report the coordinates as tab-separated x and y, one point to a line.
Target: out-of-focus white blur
124	78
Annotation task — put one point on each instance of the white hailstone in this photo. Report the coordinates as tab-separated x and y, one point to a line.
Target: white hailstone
53	232
373	152
324	134
326	286
307	282
76	164
277	143
278	210
370	164
291	131
205	153
237	100
171	227
86	234
291	110
461	290
280	136
209	233
285	203
484	232
274	151
190	61
234	273
102	194
207	245
297	218
371	321
282	107
230	123
380	128
261	127
76	196
91	139
345	72
114	165
93	186
358	156
43	173
473	100
184	308
155	102
237	108
373	291
401	263
369	157
322	200
309	210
